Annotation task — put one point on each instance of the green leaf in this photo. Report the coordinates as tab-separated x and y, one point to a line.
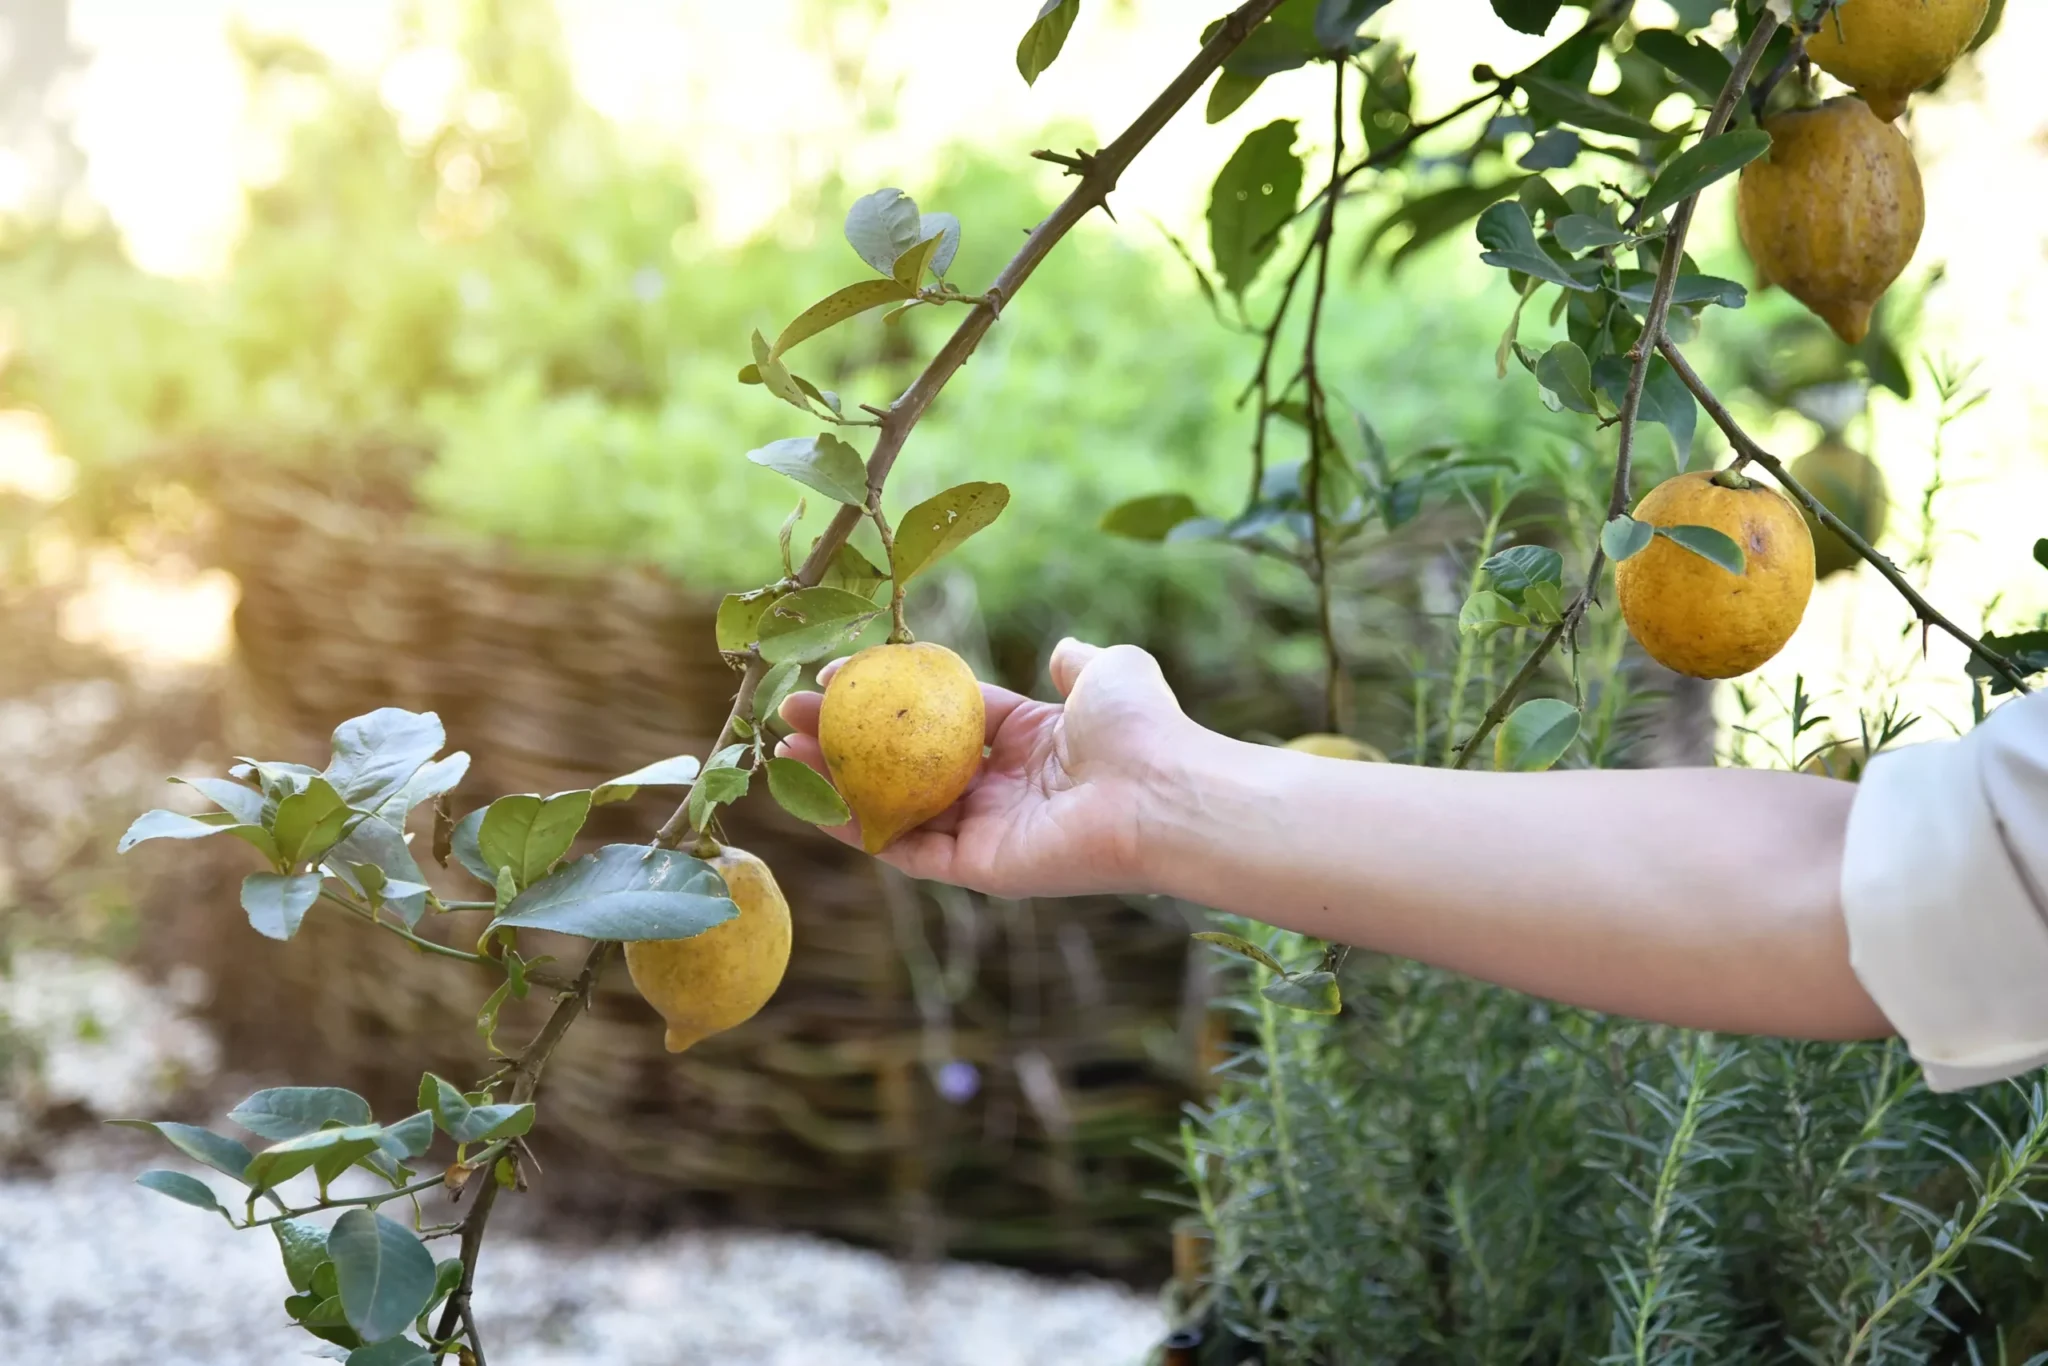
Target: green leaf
946	228
2027	651
625	892
1668	402
882	226
912	264
377	754
679	771
1560	102
170	825
467	1123
812	623
1434	215
1713	546
1253	198
384	1273
2041	552
188	1190
1696	63
1486	612
1149	518
410	1137
1567	377
1314	993
1637	286
245	804
1543	603
277	902
308	823
303	1244
1527	16
1700	165
447	1276
1243	948
1624	538
936	527
777	684
392	1352
1535	735
776	378
1513	570
1510	241
821	462
739	619
1576	232
1229	93
723	781
433	780
283	1112
333	1148
853	571
379	846
1553	150
527	835
278	780
800	791
836	308
462	844
203	1146
1041	44
1338	22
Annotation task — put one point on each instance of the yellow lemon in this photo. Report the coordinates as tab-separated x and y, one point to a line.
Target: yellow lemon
901	727
1691	615
707	984
1887	49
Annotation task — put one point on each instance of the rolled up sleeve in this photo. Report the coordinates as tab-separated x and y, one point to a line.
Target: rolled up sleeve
1942	886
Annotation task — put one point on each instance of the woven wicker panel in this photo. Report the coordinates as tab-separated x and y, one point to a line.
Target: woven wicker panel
821	1113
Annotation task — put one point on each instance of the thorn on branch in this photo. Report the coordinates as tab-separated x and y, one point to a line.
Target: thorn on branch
1079	164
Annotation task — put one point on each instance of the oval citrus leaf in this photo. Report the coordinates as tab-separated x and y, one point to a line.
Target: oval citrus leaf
167	825
277	903
1535	736
1625	537
1700	165
1562	102
377	845
332	1148
384	1274
203	1146
308	823
937	526
303	1244
1231	90
799	790
1486	612
882	226
1041	44
1513	570
1694	62
462	844
288	1111
775	375
526	834
1576	232
1314	993
739	619
409	1137
245	804
189	1190
1150	518
1243	948
392	1352
912	264
946	228
626	892
837	307
375	755
1252	199
822	462
1509	236
813	623
1715	547
679	771
777	684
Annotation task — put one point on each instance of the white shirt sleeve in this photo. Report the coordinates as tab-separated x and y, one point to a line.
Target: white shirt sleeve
1942	886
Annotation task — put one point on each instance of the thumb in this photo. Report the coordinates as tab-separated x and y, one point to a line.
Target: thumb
1124	672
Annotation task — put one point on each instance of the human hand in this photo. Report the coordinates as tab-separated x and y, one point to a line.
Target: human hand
1062	803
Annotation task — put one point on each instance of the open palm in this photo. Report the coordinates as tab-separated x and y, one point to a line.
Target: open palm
1059	807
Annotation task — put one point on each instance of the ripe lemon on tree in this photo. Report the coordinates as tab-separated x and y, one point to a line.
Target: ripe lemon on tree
902	728
1849	484
707	984
1335	747
1833	212
1694	616
1887	49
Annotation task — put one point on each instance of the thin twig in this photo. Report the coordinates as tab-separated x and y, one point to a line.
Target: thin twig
525	1071
1091	192
1333	660
1748	451
1632	401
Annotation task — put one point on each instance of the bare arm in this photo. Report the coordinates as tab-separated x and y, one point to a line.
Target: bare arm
1706	898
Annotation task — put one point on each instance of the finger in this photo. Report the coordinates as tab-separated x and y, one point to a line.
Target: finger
799	711
924	853
997	704
804	749
825	674
1069	657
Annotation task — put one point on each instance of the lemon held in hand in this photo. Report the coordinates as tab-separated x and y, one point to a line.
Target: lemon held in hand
1691	615
707	984
1335	747
901	727
1833	212
1887	49
1849	484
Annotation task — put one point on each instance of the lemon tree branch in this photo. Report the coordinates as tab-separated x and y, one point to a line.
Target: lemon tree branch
1098	175
1747	451
1639	355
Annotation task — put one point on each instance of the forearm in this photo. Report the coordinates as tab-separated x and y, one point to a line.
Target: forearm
1705	898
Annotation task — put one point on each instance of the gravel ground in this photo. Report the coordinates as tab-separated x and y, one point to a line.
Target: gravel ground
95	1271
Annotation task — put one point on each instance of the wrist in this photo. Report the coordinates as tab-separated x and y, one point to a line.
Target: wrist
1199	815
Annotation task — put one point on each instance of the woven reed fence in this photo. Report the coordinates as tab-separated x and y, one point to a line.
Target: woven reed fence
939	1073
